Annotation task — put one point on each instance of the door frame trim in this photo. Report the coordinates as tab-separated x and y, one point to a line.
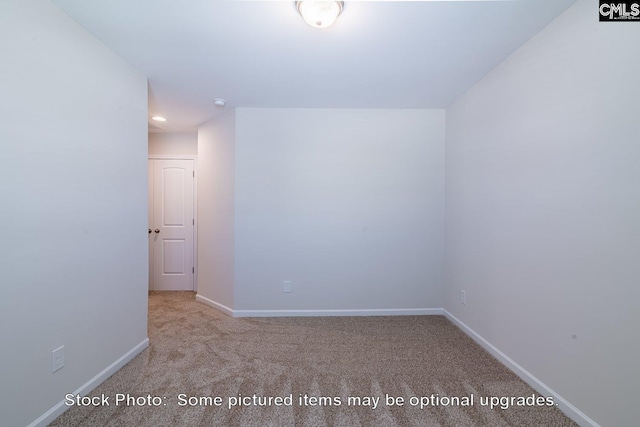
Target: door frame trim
195	204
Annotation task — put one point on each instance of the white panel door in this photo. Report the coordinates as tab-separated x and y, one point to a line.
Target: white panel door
172	225
151	234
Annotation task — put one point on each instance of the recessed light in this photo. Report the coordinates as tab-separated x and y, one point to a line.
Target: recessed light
219	102
158	119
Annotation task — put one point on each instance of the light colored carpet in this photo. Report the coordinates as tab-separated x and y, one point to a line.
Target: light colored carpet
201	353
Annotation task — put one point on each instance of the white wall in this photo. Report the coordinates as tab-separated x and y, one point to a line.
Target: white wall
173	143
216	186
73	143
543	211
346	204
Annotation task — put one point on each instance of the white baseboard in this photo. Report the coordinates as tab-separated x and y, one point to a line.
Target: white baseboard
319	313
567	408
94	382
327	313
220	307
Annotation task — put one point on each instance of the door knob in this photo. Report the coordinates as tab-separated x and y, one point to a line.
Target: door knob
149	231
156	230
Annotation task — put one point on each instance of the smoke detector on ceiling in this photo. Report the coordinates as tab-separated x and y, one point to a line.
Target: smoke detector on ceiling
320	14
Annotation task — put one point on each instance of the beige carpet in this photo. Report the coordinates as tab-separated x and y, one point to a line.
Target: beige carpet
198	352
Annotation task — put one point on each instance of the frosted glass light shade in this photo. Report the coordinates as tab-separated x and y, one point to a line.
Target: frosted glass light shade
320	14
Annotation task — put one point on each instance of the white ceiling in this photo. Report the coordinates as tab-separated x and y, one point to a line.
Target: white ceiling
380	54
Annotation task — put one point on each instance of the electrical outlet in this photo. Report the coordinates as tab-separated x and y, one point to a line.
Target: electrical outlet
463	297
286	286
57	359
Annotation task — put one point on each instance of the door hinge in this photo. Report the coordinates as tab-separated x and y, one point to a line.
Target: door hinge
194	173
193	270
193	221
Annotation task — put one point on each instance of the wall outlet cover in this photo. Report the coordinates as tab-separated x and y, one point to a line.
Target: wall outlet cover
57	359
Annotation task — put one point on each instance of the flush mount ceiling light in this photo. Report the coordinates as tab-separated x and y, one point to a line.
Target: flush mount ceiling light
320	14
158	119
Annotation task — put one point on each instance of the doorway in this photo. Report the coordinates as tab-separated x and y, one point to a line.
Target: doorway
172	224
